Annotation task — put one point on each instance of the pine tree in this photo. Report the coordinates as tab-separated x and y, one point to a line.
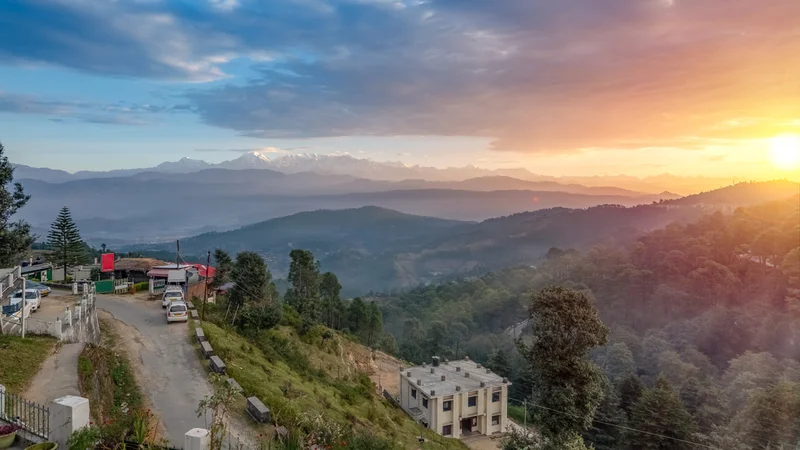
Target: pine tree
65	241
251	278
15	237
224	267
374	323
304	294
661	414
630	391
500	364
605	432
330	290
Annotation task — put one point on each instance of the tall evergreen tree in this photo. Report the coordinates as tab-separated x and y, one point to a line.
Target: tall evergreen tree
630	391
224	267
374	323
500	364
304	294
357	316
15	237
251	279
605	432
64	239
568	388
330	290
661	414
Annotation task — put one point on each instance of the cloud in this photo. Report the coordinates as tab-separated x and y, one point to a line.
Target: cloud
245	150
534	75
120	113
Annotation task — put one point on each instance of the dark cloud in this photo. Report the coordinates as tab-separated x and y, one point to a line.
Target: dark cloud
535	75
120	113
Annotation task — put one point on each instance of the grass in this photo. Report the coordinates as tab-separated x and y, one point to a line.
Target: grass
107	380
21	360
303	379
517	414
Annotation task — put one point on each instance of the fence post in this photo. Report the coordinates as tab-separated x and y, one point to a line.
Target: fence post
196	439
2	401
67	415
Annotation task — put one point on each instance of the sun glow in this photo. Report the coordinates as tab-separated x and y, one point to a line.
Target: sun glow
785	152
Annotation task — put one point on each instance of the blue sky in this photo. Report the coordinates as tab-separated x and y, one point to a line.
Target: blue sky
561	87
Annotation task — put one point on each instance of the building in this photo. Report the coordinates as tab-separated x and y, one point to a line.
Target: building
455	398
136	269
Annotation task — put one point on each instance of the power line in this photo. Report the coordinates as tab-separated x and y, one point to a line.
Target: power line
623	427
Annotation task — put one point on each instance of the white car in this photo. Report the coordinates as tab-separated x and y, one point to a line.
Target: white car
177	312
32	298
171	295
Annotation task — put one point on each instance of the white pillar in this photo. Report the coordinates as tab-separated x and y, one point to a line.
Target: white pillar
74	287
196	439
67	415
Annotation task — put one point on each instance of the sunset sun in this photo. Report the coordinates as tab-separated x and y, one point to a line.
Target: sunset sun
785	152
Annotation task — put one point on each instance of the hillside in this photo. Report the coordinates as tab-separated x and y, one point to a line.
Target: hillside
311	383
742	194
710	306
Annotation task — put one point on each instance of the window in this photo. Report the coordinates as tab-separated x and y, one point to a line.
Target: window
424	402
447	430
495	420
473	401
448	405
413	393
495	397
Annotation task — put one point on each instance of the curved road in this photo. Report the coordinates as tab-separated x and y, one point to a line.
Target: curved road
168	369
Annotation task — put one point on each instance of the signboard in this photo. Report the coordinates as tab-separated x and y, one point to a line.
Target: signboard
176	276
107	262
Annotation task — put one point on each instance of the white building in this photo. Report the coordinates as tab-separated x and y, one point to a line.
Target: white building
455	398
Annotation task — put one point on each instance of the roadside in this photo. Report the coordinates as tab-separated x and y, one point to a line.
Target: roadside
58	375
163	361
20	360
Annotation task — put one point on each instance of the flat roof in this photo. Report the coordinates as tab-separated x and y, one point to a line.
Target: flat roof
454	376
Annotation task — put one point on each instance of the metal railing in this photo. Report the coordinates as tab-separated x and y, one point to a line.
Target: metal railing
31	416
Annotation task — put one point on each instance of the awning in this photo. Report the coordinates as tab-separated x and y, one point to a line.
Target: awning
202	270
158	273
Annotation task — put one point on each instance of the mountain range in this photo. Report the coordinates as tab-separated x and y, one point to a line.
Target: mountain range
344	164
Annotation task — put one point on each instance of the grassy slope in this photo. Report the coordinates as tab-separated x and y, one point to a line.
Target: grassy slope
303	380
20	360
107	380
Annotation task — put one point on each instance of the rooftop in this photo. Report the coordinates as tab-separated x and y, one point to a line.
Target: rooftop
455	377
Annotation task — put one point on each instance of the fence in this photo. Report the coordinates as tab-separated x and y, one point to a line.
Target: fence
32	417
104	286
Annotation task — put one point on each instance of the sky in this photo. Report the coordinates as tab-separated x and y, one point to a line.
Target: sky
560	87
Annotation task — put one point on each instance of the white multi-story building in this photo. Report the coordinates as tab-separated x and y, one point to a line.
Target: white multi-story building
455	398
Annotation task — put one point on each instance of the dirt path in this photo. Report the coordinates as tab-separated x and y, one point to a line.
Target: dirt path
57	377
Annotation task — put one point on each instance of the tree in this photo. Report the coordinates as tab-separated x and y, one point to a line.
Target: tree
630	391
15	237
663	418
303	295
251	279
500	364
374	323
224	267
606	432
770	418
436	335
568	388
330	290
357	316
618	362
65	241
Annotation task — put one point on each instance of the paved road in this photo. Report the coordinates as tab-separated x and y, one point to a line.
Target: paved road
170	372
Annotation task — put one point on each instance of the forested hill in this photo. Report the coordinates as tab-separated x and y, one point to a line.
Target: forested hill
713	306
742	194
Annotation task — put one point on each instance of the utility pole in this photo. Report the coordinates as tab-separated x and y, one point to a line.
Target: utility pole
205	294
22	303
177	254
525	407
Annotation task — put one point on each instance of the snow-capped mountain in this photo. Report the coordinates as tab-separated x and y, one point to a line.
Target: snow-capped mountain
183	165
249	160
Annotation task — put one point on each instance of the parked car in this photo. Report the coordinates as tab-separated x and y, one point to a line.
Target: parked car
177	311
32	298
171	294
44	290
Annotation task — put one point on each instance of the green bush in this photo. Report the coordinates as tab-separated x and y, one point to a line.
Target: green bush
142	286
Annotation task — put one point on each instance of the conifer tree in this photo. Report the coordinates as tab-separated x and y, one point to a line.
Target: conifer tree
65	241
661	414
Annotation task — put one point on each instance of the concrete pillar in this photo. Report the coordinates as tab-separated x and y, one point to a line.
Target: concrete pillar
196	439
2	401
457	407
74	287
67	415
